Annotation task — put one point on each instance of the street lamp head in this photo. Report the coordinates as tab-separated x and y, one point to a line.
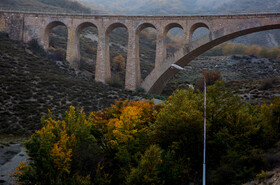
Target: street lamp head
174	66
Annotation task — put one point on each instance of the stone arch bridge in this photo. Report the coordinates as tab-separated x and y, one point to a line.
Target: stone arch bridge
27	26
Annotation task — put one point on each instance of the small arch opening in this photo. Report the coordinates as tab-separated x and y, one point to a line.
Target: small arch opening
87	35
198	31
147	36
117	35
56	35
174	34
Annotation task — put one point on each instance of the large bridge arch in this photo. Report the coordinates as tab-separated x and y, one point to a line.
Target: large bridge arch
47	30
158	78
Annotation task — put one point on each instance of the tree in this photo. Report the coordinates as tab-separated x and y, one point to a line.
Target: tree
62	152
179	128
239	49
253	50
120	62
122	132
264	52
139	142
274	53
147	171
228	48
211	77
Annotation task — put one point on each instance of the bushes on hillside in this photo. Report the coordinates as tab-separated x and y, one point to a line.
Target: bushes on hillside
35	46
57	55
143	143
229	48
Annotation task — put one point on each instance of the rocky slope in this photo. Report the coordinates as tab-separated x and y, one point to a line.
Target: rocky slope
271	176
256	80
30	84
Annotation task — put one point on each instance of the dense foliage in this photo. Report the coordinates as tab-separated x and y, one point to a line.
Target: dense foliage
142	143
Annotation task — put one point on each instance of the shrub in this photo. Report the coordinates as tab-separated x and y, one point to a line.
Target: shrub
115	82
90	49
267	84
211	78
261	176
140	90
4	35
264	53
34	45
57	55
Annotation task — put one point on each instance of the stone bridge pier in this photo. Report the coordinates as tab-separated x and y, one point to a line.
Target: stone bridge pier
27	26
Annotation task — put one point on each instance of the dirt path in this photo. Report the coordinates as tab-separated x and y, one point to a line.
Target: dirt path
10	157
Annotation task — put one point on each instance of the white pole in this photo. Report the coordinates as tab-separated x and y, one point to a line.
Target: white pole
204	148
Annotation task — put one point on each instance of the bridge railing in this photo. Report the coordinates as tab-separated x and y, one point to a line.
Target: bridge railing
153	13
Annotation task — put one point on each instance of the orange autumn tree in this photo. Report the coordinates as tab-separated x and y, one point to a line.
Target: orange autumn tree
122	130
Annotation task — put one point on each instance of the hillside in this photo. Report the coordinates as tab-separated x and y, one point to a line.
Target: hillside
186	7
183	6
256	80
31	83
43	5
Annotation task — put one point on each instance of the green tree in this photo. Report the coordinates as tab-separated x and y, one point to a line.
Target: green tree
228	48
264	53
179	128
147	171
239	49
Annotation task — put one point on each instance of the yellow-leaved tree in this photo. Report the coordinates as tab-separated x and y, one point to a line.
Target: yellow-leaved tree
120	62
58	150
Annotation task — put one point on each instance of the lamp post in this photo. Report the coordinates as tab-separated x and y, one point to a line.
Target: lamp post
204	135
174	66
